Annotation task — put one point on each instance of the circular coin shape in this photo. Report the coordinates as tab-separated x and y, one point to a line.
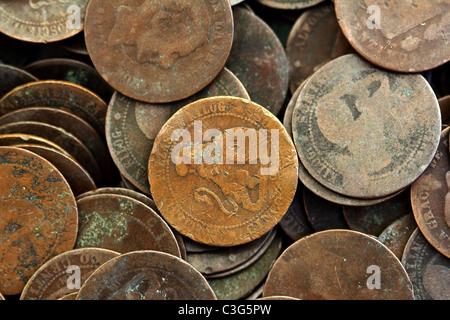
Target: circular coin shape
396	35
42	21
39	216
216	188
12	77
146	275
147	50
338	265
365	132
290	4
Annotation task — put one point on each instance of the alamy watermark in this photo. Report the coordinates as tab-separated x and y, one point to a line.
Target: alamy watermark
374	20
74	20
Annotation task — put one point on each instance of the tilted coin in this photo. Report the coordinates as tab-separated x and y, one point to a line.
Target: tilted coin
363	131
12	139
39	216
231	194
146	275
396	235
12	77
290	4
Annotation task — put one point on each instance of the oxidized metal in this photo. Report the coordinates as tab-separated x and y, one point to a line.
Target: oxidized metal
12	77
10	140
397	234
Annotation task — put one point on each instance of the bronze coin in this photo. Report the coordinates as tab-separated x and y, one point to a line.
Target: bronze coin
396	235
259	60
365	132
60	95
10	140
181	46
338	265
287	117
122	224
224	203
12	77
146	275
444	105
41	21
39	216
132	126
428	269
276	298
429	199
290	4
70	296
52	280
400	36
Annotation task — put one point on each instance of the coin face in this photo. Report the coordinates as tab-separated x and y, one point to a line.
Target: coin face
290	4
42	21
147	50
365	132
39	216
349	264
229	195
406	36
146	275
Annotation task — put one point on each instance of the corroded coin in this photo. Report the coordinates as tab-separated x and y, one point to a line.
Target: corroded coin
132	126
290	4
10	140
396	235
365	132
428	269
57	277
338	265
231	194
430	199
12	77
402	36
444	105
159	50
122	224
39	216
146	275
42	21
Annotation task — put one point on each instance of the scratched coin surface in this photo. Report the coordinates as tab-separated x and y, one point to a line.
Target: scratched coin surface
402	36
39	216
132	126
147	50
42	21
430	199
290	4
365	132
223	198
12	77
427	268
346	261
146	275
53	280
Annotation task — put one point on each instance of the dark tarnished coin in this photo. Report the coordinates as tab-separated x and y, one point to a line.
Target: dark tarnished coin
259	60
444	105
122	224
365	132
428	269
60	95
39	216
146	275
75	44
402	36
159	50
132	126
287	117
338	265
42	21
396	235
53	280
290	4
430	199
223	198
10	140
12	77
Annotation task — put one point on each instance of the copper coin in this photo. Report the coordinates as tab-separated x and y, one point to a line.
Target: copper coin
52	280
70	296
78	178
12	77
224	203
404	37
122	224
146	275
290	4
340	127
428	269
276	298
39	216
41	21
338	265
60	95
396	235
444	105
259	60
181	46
10	140
287	117
429	198
132	126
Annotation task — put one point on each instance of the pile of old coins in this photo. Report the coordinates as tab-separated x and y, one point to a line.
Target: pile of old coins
224	150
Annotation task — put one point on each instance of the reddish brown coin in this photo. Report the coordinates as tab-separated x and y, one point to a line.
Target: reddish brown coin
214	199
397	234
39	216
10	140
146	275
58	277
400	36
180	48
338	265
